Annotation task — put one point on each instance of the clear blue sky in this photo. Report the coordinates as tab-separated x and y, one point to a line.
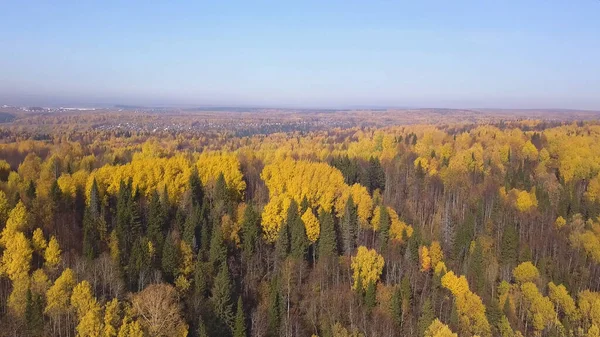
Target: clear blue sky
476	53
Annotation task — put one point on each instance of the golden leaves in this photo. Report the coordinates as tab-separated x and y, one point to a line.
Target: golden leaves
367	266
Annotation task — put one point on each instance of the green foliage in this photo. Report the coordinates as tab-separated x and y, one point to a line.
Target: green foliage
327	244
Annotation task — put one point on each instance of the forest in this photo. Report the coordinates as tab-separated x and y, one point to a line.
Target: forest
455	229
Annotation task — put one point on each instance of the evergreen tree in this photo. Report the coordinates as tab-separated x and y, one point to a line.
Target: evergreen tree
170	258
282	245
250	231
202	332
139	263
192	223
200	277
375	175
34	315
31	191
509	248
384	228
221	302
405	295
156	222
396	306
370	298
349	227
298	240
274	310
477	268
327	238
218	250
94	204
196	189
239	328
427	316
90	235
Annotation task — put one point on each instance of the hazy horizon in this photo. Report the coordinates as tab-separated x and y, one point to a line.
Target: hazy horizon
509	55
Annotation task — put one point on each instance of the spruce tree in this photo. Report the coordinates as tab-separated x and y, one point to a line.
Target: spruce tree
90	236
156	222
349	227
477	269
202	332
218	250
405	295
196	189
274	309
298	240
192	223
509	248
221	301
250	231
427	316
384	228
239	328
327	244
370	299
170	258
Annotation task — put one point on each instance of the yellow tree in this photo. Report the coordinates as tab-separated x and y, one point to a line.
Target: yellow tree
58	295
436	253
311	224
540	310
111	318
526	272
367	266
52	253
39	242
470	308
439	329
87	309
561	299
424	258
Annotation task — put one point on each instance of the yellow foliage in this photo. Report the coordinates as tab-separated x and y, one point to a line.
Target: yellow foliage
436	253
529	151
39	242
111	317
322	185
540	310
560	222
57	297
4	208
439	329
440	268
187	259
182	284
424	258
17	300
52	253
367	266
456	285
561	298
82	298
362	200
273	216
39	282
526	272
17	222
312	225
16	259
470	308
211	164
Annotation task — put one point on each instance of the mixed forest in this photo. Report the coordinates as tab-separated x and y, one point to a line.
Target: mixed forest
422	230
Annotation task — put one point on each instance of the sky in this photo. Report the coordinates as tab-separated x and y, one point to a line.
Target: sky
319	54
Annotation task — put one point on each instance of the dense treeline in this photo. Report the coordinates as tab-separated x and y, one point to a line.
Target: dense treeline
489	230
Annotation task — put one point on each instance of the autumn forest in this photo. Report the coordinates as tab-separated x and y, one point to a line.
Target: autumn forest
471	228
